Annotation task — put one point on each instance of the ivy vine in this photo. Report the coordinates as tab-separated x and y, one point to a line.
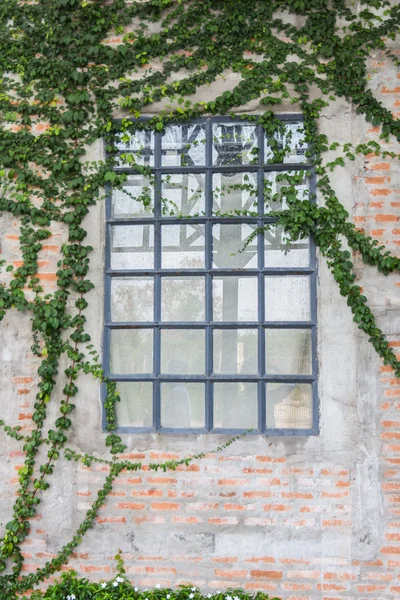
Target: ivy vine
61	84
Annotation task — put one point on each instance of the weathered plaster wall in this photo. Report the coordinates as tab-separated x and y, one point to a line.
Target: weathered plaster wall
302	518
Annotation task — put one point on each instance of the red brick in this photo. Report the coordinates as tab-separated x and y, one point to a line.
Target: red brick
147	493
261	574
386	218
188	520
110	520
391	550
223	521
93	569
330	587
335	523
257	494
165	506
380	167
276	507
237	574
282	459
386	90
232	482
162	480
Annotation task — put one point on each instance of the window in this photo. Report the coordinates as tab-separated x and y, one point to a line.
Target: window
210	324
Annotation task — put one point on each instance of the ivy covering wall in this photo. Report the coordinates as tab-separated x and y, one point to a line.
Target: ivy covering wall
59	71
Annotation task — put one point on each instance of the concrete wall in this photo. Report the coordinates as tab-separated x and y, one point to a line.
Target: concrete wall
315	517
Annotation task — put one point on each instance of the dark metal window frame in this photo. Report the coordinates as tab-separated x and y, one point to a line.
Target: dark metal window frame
261	325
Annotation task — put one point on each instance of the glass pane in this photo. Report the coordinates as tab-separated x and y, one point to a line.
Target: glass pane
132	247
279	187
279	252
182	246
235	405
287	298
229	251
132	299
235	192
184	145
131	351
235	144
183	194
136	406
289	406
183	351
137	148
183	299
182	404
135	199
291	145
235	299
288	351
235	351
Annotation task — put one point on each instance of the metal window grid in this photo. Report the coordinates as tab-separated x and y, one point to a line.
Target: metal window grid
262	378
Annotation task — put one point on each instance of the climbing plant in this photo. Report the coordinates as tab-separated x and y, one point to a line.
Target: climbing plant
63	79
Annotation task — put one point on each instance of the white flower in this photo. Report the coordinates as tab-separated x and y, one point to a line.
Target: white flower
194	589
191	596
218	591
236	598
209	595
136	589
71	597
158	585
228	598
168	596
104	585
115	583
119	580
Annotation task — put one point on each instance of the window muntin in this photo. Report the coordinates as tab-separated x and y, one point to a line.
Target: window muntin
208	328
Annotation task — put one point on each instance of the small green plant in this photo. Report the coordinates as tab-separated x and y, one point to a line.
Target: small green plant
72	587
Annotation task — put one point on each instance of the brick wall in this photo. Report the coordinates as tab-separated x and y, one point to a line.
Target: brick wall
314	519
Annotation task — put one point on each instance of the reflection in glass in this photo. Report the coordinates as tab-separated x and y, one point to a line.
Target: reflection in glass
235	192
183	351
234	144
183	194
279	187
289	406
184	145
280	253
288	351
134	199
235	299
132	247
234	247
182	246
287	298
132	299
135	408
182	405
235	351
183	299
137	148
291	145
235	405
131	351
